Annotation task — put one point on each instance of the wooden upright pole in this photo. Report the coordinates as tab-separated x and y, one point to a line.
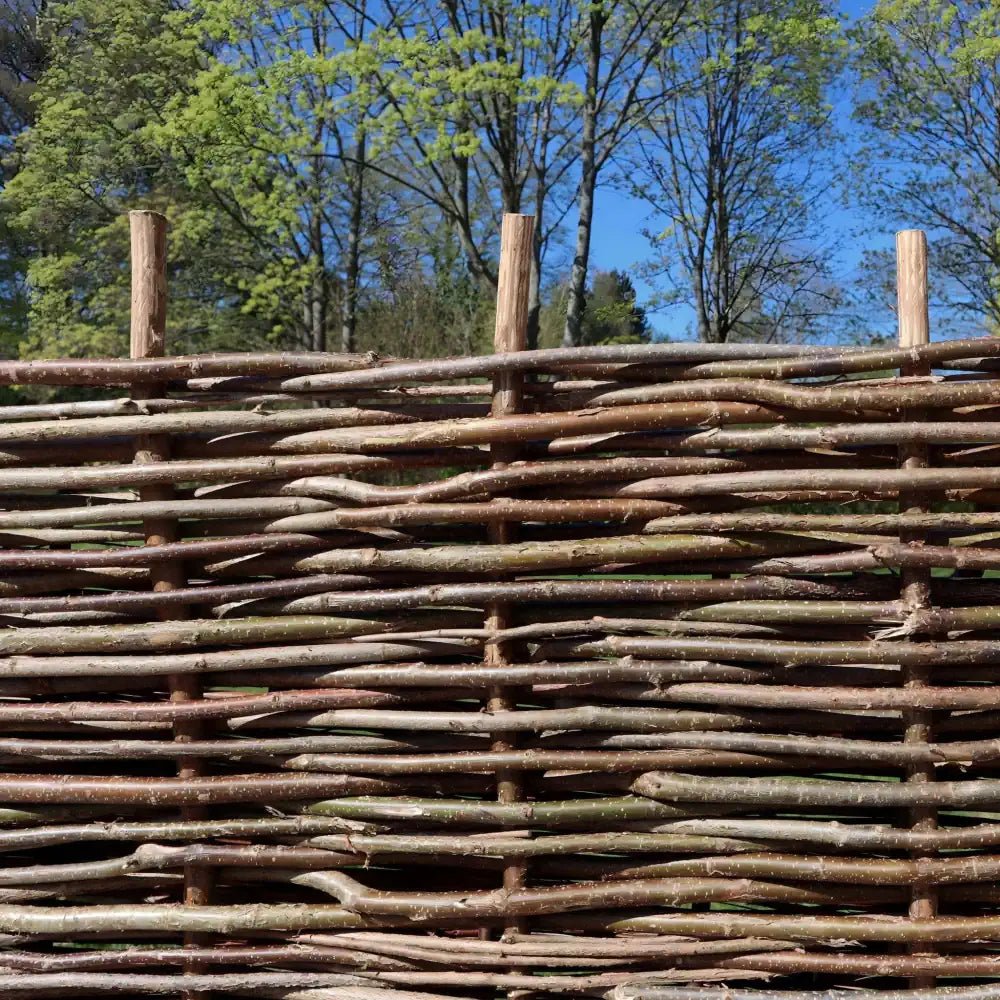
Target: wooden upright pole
911	289
513	287
513	291
148	328
914	331
148	339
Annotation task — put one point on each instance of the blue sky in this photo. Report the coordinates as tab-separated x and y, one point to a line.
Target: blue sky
620	219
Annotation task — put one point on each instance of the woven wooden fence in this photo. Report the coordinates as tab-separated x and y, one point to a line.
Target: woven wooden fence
624	671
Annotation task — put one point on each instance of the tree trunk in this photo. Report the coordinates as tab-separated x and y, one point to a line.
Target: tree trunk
588	182
535	289
317	293
317	309
534	305
352	271
701	304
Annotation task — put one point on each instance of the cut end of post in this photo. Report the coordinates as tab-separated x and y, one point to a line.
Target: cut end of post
148	325
911	288
517	234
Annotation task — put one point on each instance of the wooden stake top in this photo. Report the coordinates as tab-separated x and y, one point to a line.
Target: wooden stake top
513	280
148	326
911	288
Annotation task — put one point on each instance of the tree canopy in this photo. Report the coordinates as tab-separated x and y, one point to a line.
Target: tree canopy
335	173
927	74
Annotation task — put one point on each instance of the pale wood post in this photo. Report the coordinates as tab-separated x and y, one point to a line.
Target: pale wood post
513	290
148	339
914	331
513	298
911	288
148	328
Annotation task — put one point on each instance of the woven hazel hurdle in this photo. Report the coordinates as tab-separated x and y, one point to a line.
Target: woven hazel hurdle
628	672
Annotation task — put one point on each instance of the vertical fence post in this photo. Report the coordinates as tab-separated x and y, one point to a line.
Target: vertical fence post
148	317
513	285
914	331
148	329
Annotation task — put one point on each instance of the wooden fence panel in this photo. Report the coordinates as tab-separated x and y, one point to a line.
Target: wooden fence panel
625	671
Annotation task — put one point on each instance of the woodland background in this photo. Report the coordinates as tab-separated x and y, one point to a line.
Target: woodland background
335	172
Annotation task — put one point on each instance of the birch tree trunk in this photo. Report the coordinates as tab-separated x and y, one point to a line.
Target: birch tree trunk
352	269
588	182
